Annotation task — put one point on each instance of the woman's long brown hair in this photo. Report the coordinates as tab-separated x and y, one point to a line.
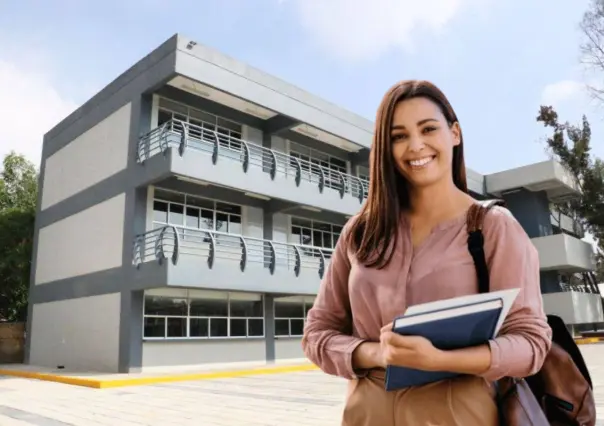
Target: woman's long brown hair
373	233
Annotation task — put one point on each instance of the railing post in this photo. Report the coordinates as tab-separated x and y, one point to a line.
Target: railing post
243	261
362	189
216	148
212	251
184	137
273	257
321	264
321	179
176	251
246	156
298	262
273	165
342	184
298	171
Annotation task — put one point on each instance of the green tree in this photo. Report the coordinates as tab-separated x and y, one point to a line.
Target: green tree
570	145
18	195
592	46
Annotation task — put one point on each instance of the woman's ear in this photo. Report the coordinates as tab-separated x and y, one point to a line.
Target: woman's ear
456	131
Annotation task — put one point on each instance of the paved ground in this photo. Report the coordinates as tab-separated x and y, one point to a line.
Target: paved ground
297	399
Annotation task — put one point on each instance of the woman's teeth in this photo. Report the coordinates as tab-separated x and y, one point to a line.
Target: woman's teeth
421	162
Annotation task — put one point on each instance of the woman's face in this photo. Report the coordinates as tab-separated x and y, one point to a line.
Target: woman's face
422	142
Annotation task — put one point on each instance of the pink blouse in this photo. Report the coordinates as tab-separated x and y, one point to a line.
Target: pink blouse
355	302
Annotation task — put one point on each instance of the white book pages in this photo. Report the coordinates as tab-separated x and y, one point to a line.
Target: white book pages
507	297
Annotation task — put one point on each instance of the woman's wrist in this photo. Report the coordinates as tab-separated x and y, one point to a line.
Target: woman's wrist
367	355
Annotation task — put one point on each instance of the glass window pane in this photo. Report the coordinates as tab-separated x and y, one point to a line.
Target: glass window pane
209	307
163	116
246	308
281	327
154	327
164	195
234	225
202	116
221	222
255	327
198	327
176	214
228	208
218	327
207	220
200	202
192	217
161	305
238	327
297	327
160	211
301	222
177	327
289	309
307	307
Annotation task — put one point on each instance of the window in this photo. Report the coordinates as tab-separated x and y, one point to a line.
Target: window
290	315
311	159
314	233
195	314
202	125
188	211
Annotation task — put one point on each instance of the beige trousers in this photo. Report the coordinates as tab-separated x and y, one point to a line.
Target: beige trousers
464	401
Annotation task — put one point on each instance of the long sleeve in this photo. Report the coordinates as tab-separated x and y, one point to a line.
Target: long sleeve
525	337
328	340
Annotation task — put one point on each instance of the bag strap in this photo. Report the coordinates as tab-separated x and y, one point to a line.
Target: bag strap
475	222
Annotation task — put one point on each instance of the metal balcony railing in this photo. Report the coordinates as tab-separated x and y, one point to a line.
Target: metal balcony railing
172	242
219	146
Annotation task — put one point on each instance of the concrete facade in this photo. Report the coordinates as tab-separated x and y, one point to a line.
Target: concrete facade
187	214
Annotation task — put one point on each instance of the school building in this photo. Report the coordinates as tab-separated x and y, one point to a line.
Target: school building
188	211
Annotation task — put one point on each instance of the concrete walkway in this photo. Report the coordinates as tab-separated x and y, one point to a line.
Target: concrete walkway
292	399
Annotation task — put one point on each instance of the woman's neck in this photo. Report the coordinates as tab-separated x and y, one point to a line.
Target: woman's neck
438	202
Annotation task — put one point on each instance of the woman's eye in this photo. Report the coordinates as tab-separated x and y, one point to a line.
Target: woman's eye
429	129
397	137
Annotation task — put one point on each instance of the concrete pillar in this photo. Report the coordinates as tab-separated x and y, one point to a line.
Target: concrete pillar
269	308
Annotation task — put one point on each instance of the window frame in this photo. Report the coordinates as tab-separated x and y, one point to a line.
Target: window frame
189	296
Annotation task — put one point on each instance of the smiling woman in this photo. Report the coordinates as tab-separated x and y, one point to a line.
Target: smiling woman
407	246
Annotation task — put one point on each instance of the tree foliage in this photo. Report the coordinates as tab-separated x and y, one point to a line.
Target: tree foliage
18	195
592	47
571	146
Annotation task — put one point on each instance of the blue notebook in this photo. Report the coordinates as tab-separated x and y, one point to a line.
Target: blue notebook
447	328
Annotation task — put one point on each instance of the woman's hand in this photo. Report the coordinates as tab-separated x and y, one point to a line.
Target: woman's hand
409	351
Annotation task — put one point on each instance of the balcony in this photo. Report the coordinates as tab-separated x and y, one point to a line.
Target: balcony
562	252
216	260
211	157
549	176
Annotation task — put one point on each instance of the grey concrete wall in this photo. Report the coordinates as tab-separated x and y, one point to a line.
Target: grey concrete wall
81	334
84	243
289	348
189	353
97	154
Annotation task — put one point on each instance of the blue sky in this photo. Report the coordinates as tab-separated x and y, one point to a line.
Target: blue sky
496	60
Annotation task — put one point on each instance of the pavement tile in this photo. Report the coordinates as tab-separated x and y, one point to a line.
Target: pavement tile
294	399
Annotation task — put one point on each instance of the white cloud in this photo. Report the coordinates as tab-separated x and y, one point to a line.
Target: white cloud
562	91
363	29
30	107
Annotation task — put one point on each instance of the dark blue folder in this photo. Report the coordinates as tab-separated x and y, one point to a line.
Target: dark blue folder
457	332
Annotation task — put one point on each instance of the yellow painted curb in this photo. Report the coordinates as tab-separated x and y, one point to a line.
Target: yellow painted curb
588	340
139	381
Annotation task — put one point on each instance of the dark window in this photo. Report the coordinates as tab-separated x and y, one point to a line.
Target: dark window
219	327
238	327
255	327
209	307
198	327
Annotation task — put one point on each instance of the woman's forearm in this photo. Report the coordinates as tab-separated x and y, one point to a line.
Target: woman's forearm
475	361
367	355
